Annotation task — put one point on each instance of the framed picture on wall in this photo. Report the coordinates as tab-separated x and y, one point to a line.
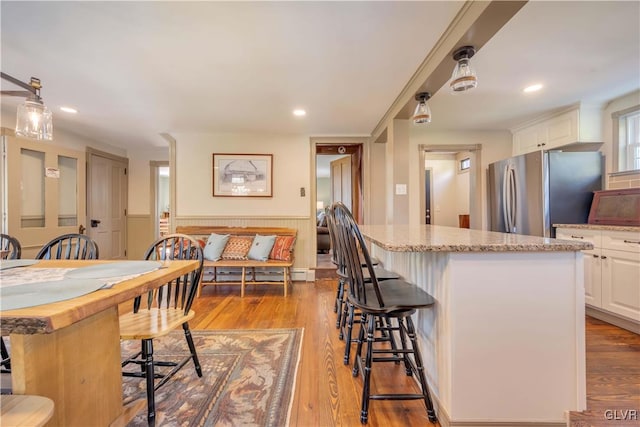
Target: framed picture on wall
242	175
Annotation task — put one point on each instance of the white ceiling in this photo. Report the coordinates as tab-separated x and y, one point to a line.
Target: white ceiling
582	51
135	70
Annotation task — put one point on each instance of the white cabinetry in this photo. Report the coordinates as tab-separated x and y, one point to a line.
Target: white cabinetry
582	124
612	272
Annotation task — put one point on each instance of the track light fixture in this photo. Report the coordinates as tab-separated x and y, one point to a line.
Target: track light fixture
33	119
422	113
463	77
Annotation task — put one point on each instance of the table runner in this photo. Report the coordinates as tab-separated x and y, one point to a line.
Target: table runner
28	287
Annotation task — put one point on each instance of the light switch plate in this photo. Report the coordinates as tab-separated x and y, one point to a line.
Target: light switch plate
401	189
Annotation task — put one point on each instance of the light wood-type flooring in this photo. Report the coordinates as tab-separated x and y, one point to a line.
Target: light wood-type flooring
327	394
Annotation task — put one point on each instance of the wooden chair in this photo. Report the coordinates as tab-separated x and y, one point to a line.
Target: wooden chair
25	410
69	246
165	309
379	307
9	247
345	310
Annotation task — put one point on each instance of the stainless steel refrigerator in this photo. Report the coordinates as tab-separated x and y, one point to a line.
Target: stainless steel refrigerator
531	192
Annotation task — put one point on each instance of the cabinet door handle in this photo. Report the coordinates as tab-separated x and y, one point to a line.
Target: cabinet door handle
543	144
603	257
632	241
577	237
595	256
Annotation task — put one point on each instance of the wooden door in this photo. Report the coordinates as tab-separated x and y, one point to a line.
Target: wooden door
107	200
46	192
427	196
341	182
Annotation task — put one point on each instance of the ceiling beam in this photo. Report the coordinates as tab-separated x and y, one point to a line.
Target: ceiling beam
475	24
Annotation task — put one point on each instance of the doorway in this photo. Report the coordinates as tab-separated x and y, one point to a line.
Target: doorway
450	186
427	194
338	178
160	198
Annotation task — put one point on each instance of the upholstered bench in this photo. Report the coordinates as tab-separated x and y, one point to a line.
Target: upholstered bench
258	255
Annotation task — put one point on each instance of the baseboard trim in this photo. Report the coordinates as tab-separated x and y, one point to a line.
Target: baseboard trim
302	275
614	319
445	420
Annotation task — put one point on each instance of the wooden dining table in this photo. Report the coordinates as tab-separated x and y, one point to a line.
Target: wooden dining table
69	350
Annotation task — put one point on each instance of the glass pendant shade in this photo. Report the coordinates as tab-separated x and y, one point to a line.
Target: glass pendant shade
34	120
422	114
464	76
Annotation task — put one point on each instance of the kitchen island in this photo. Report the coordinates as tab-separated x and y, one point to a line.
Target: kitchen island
505	342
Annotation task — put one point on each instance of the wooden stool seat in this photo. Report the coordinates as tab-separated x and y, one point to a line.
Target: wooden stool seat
24	410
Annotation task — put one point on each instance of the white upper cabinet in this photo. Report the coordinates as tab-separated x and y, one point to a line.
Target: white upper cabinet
579	124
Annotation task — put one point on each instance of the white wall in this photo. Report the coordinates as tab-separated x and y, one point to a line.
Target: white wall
140	178
323	191
193	172
445	192
496	145
163	194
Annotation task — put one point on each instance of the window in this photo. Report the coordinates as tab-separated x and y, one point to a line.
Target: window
627	149
465	164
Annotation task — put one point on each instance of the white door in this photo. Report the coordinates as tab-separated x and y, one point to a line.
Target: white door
107	201
341	181
46	192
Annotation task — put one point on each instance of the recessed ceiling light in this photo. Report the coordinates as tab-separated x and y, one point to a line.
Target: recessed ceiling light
69	110
299	113
533	88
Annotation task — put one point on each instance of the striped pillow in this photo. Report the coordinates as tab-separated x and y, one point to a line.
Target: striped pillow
237	247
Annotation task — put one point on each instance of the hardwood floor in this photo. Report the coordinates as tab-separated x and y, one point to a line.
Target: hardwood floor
613	377
327	394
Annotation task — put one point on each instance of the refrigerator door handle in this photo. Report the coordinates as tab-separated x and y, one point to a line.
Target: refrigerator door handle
505	198
513	197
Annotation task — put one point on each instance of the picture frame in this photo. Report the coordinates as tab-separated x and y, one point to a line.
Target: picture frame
242	175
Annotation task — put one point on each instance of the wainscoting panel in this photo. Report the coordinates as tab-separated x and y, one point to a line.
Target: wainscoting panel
139	235
304	255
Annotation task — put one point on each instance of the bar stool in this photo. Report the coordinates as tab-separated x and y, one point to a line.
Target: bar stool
346	311
381	305
25	410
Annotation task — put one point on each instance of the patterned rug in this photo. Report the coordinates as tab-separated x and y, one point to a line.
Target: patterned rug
248	378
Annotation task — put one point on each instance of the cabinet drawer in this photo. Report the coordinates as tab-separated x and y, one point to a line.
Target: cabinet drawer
591	236
621	240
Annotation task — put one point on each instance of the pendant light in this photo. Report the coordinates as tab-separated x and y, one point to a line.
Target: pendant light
464	77
422	113
33	119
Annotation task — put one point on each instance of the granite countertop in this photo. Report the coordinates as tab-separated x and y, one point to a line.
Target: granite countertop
599	227
434	238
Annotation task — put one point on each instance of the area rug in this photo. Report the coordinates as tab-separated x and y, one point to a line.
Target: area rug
248	378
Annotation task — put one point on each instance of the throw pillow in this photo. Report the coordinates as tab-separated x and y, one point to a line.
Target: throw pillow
237	247
282	248
261	247
215	245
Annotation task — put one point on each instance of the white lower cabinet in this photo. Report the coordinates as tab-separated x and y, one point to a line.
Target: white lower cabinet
621	283
592	277
611	271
